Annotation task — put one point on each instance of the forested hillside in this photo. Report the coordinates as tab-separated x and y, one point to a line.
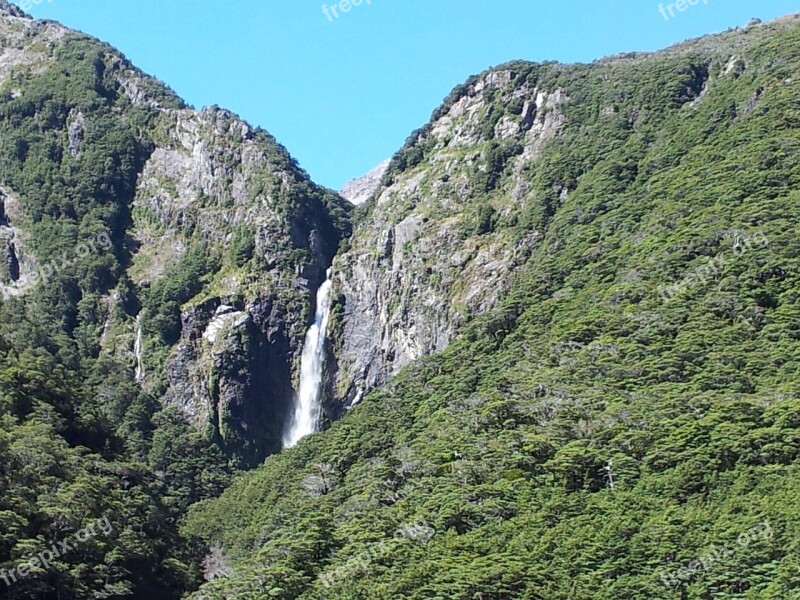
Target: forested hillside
626	422
119	253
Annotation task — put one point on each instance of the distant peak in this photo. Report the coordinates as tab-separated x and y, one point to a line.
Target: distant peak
8	9
359	190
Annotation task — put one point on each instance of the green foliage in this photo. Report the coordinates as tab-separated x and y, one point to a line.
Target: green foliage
182	282
589	436
485	220
52	486
79	441
242	247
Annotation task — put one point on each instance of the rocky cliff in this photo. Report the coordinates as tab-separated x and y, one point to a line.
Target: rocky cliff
433	249
213	178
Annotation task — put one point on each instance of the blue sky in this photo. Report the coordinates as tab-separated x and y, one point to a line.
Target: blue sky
343	92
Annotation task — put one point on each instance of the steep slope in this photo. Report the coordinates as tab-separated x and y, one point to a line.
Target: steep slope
437	246
206	228
215	183
468	198
159	268
625	422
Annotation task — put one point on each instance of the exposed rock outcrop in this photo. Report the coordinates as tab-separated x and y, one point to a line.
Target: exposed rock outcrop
17	265
232	371
16	51
360	190
214	179
427	257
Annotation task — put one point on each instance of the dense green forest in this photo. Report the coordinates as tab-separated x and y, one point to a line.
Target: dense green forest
625	425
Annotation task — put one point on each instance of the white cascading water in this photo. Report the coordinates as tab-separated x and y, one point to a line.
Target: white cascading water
137	350
308	406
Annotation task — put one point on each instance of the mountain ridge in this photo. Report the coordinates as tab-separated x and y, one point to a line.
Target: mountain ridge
577	435
160	267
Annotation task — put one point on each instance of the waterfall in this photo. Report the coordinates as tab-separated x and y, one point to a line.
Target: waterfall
137	350
308	406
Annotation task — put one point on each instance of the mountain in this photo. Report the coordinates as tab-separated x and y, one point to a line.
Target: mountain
565	345
359	190
219	240
160	267
561	361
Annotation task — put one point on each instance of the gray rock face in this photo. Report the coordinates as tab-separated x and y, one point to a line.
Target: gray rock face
11	10
76	135
424	260
215	179
232	372
18	270
360	190
16	51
